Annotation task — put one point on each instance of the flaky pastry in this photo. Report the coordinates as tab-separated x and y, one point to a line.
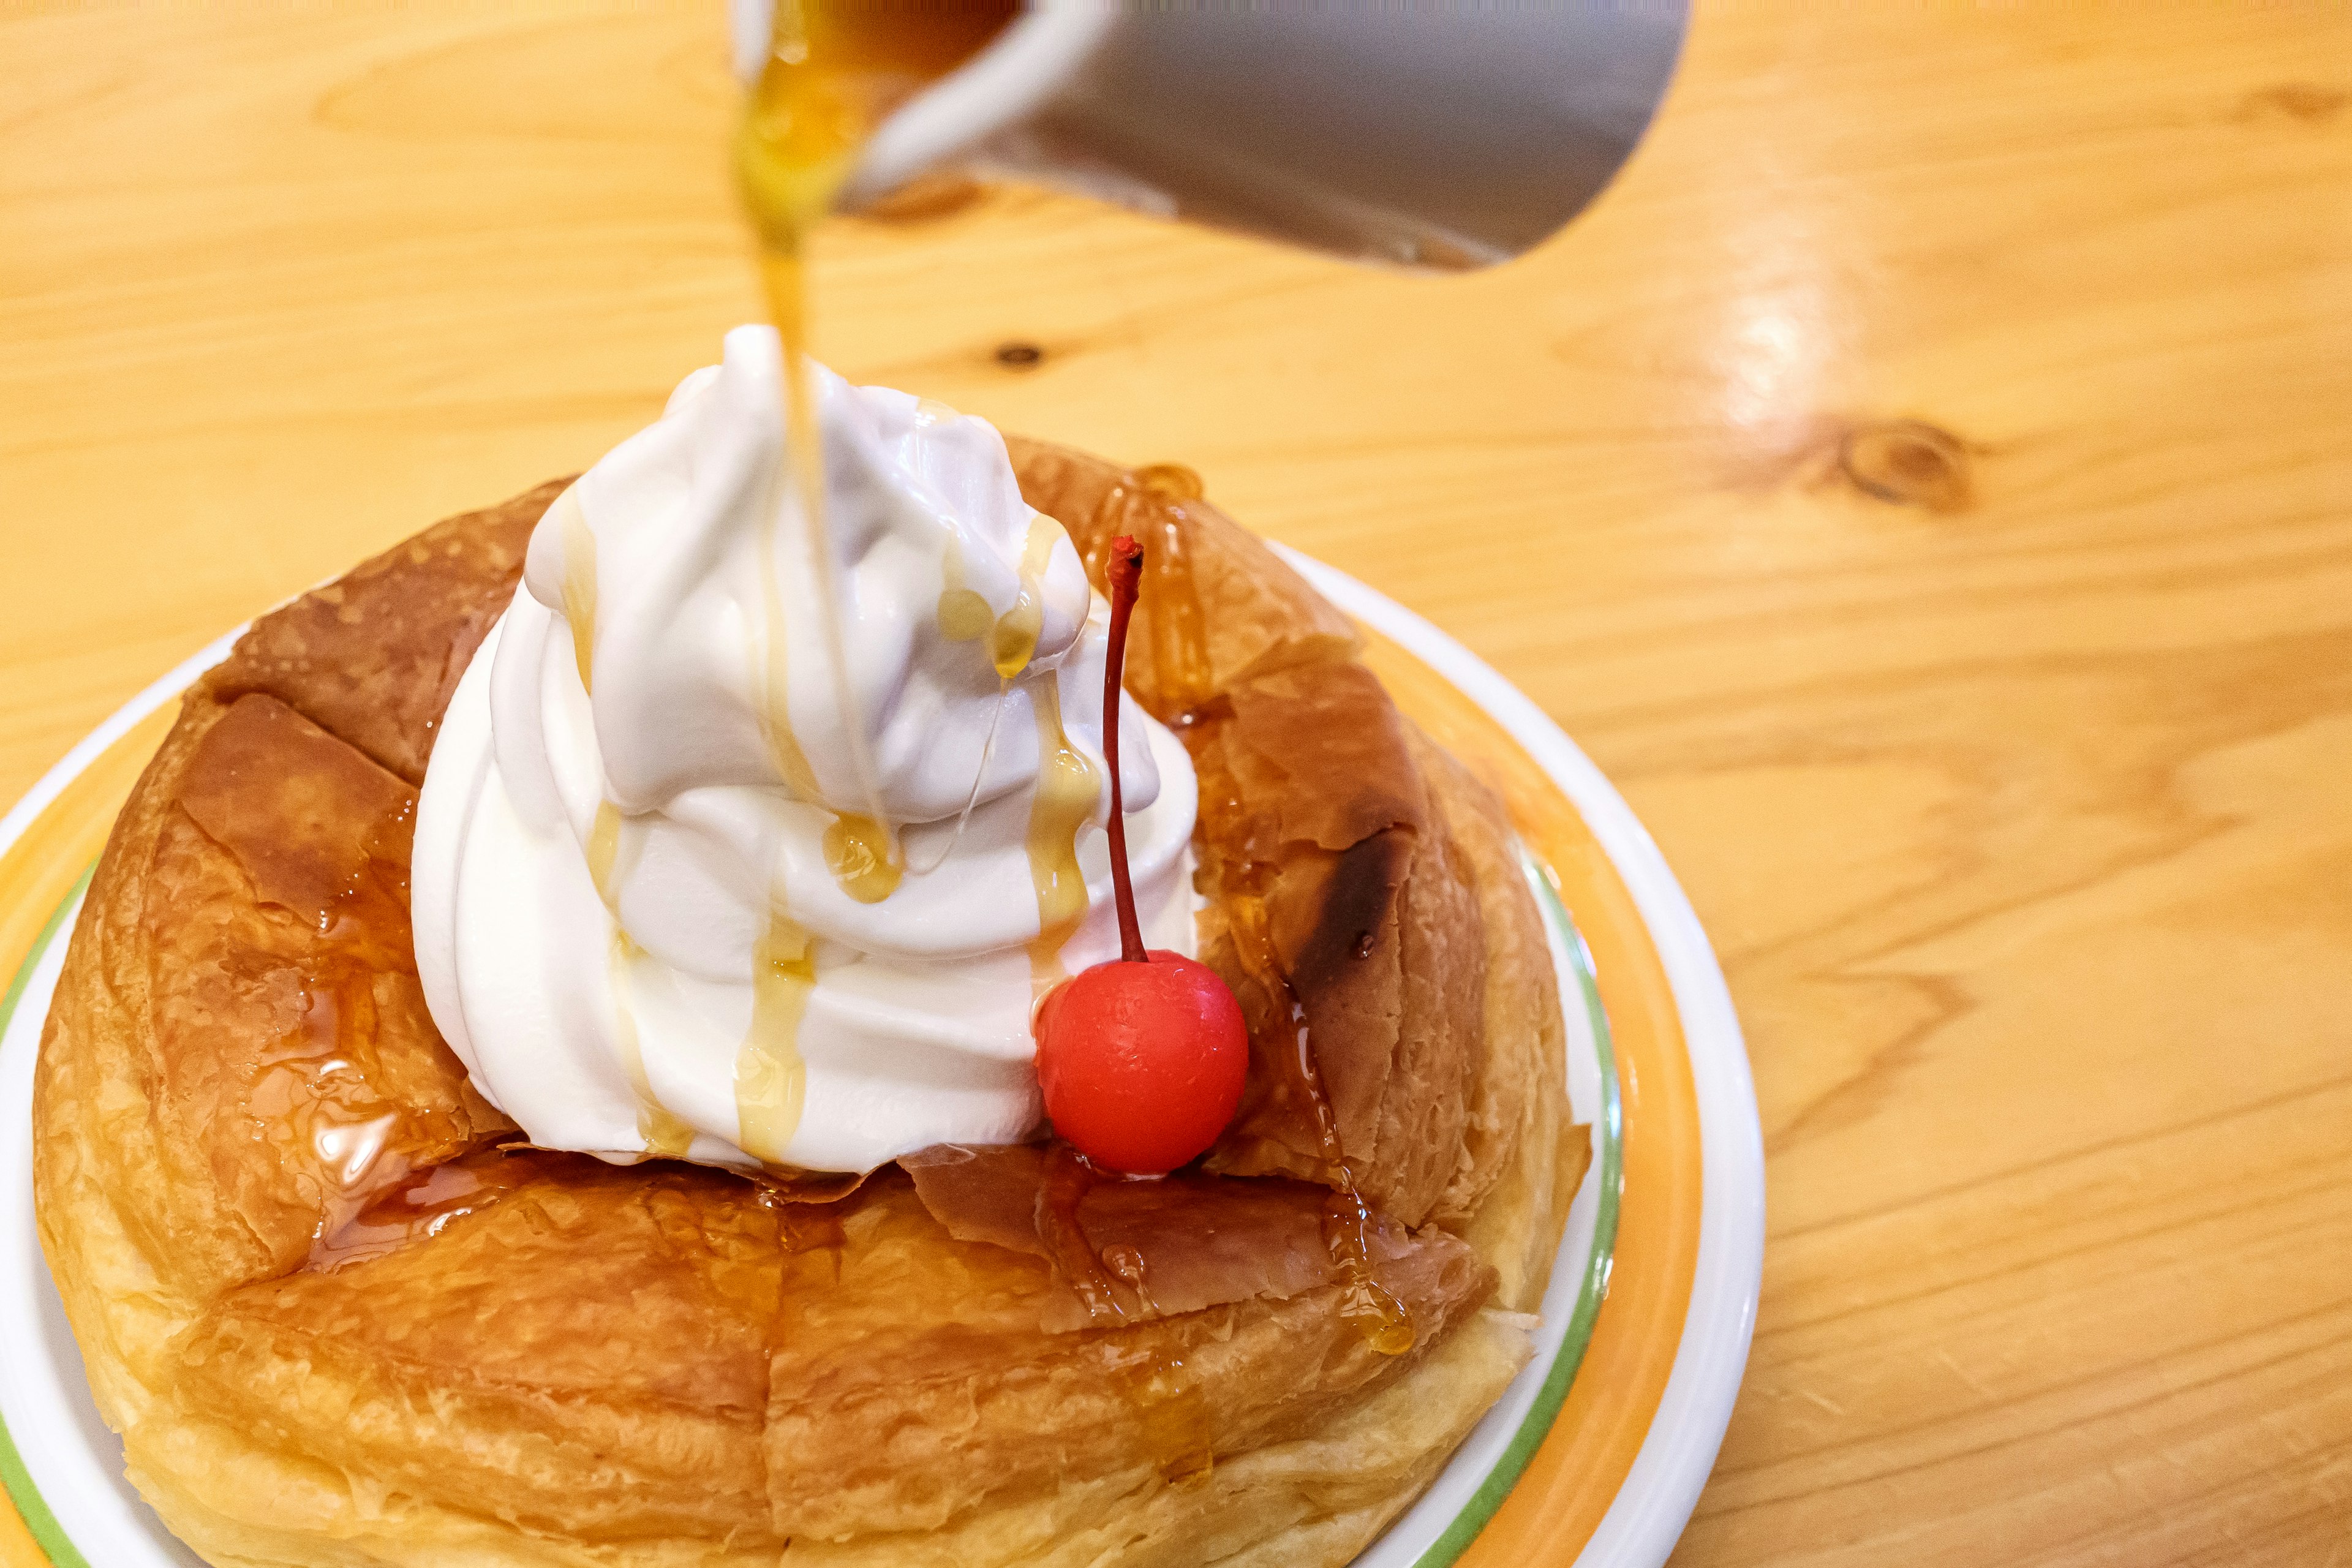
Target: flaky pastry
340	1316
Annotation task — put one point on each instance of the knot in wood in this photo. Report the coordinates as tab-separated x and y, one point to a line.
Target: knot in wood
1908	462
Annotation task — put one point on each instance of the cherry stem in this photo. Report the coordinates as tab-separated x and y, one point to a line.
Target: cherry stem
1125	572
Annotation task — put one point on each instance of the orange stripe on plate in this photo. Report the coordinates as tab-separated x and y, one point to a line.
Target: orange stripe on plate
1557	1505
17	1549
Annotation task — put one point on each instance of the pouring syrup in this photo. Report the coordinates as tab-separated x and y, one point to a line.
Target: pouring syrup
833	72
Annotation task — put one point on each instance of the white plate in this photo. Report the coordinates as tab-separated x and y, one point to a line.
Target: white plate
64	1469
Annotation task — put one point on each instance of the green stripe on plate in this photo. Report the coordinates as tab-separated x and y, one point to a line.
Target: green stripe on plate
1610	1122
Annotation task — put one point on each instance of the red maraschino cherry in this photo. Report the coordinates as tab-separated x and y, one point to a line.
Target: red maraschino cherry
1141	1057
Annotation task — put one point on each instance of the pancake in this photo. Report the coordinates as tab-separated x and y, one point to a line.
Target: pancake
340	1315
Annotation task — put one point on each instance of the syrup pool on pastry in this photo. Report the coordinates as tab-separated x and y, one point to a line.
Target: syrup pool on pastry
656	911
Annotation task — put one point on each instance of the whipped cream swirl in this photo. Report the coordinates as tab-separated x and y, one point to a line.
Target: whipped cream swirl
655	913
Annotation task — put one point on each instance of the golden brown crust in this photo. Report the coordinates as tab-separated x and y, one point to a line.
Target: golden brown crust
1520	1161
1258	615
283	1010
248	1137
1189	1241
595	1344
374	655
1307	773
917	1379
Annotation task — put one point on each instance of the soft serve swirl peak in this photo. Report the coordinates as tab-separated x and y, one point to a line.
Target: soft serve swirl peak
653	912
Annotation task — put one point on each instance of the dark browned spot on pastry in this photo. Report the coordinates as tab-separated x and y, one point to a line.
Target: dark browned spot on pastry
1359	905
1019	355
1909	462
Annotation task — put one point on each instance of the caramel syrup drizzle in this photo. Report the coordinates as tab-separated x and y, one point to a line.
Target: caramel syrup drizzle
1058	814
1068	786
315	1096
1068	1178
965	616
665	1133
311	1094
770	1078
1162	1389
771	1082
1186	681
774	676
1012	640
419	1204
579	583
964	613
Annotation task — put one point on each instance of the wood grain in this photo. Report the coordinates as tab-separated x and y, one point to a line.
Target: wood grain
1922	482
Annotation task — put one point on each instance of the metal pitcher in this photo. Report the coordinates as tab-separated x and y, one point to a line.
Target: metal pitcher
1447	136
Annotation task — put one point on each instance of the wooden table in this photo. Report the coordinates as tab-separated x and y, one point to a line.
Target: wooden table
1924	483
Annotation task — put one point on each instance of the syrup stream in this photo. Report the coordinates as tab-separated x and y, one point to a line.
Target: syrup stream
832	74
799	135
816	99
